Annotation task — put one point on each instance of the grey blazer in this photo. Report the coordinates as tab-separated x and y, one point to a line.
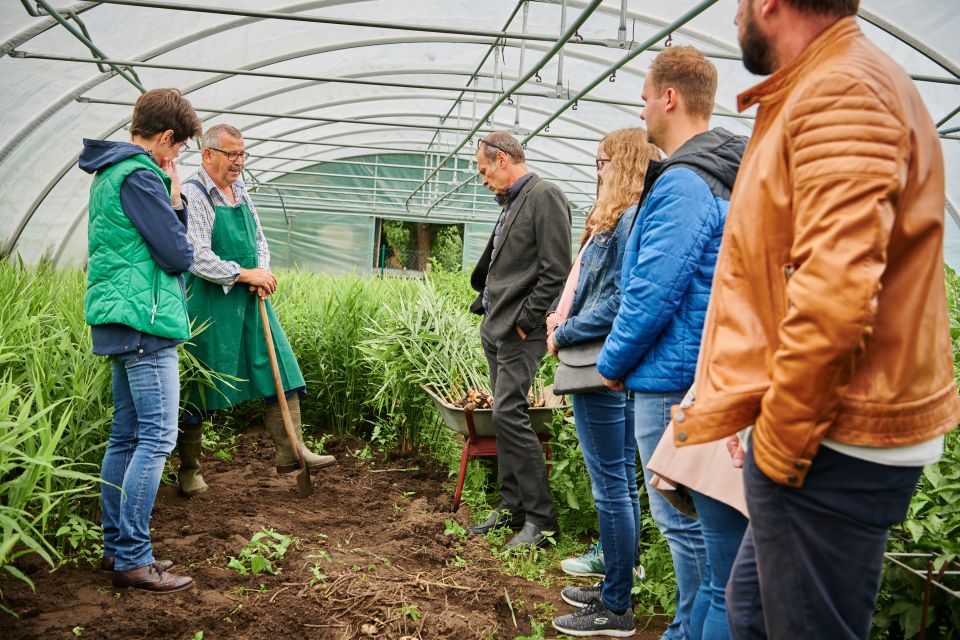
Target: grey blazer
531	264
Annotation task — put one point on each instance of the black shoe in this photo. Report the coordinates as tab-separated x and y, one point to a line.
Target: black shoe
581	596
532	535
497	519
596	620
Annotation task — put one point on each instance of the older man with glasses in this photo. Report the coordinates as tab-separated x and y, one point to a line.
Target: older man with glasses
230	250
519	274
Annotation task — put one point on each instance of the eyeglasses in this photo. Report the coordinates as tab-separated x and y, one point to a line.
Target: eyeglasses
600	162
232	156
490	144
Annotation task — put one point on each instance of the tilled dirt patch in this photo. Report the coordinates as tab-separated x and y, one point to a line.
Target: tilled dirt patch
372	562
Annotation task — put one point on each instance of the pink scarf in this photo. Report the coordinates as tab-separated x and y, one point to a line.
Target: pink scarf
570	288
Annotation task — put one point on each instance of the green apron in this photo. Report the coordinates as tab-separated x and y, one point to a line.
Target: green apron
234	343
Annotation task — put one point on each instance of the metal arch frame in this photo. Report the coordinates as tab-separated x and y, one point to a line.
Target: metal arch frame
350	159
312	160
623	14
357	132
193	37
36	29
79	217
365	120
366	99
371	148
287	14
220	27
679	22
947	64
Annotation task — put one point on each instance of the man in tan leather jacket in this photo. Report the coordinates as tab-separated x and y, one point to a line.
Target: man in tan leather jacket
827	330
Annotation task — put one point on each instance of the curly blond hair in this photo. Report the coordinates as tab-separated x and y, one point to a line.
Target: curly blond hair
630	153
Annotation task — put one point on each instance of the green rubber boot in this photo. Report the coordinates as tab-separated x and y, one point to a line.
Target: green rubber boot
188	447
287	461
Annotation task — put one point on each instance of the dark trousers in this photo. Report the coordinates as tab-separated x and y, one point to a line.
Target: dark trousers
811	558
524	488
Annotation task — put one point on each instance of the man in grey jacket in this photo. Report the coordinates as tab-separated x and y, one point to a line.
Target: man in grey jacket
519	274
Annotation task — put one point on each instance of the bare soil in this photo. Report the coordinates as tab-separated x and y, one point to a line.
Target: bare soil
375	532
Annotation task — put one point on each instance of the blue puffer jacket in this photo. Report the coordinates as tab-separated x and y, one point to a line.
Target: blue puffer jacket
668	266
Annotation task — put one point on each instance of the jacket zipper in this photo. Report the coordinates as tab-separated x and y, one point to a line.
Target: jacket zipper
156	295
788	270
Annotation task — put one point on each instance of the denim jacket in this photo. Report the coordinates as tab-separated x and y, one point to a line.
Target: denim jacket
597	298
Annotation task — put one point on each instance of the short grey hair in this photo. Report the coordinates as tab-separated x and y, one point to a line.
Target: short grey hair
211	137
502	141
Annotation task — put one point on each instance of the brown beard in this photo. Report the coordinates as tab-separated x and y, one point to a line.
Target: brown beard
757	56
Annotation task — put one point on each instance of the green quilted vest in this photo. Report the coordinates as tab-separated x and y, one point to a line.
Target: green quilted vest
124	284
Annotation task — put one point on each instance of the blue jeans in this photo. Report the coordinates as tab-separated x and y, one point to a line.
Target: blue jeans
723	528
146	395
652	415
605	427
811	558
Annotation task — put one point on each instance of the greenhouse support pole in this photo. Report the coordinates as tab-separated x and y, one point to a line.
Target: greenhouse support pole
649	42
89	44
557	46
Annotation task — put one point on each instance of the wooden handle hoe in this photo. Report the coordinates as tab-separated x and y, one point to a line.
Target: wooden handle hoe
304	485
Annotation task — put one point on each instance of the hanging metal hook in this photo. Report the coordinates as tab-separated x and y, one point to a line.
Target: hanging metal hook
537	77
577	37
613	77
669	41
574	107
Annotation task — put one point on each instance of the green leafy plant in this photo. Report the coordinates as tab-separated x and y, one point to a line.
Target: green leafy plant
536	631
932	527
454	528
262	554
83	538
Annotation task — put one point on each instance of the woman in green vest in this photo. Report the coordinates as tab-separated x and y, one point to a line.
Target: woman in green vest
136	308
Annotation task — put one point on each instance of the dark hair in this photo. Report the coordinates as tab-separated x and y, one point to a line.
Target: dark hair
832	7
160	109
690	73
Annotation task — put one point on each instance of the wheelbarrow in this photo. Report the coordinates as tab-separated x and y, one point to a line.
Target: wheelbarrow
476	427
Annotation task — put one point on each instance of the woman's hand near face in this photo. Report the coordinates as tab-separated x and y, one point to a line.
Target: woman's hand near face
169	167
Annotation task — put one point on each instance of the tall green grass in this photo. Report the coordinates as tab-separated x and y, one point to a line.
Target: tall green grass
364	345
54	412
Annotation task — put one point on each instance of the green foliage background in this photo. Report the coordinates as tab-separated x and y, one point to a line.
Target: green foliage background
365	345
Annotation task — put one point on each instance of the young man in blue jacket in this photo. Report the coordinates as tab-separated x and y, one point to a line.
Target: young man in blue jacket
668	267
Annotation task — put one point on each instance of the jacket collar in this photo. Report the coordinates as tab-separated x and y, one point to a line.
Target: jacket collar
781	82
529	179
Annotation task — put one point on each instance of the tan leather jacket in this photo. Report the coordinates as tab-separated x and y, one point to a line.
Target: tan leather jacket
828	315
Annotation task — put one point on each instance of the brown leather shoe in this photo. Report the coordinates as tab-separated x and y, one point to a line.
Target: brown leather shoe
151	578
107	564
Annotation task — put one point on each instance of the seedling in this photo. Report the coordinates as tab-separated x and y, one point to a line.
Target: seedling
265	550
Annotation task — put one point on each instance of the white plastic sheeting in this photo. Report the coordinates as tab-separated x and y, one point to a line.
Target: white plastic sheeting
48	105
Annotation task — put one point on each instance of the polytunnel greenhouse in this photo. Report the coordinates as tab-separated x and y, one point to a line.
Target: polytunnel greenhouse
366	126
